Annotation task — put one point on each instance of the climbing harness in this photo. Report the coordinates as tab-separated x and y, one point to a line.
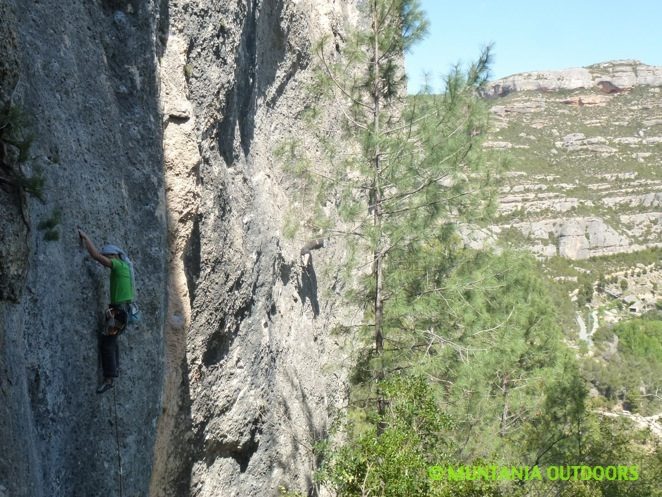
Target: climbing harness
117	439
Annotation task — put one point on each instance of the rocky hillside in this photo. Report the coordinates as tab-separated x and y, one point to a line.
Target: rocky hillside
584	156
153	125
583	183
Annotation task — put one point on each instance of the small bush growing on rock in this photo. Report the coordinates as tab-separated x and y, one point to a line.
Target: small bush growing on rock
49	226
602	283
15	143
285	492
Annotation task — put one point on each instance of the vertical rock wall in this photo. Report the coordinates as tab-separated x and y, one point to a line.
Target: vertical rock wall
252	368
154	126
87	86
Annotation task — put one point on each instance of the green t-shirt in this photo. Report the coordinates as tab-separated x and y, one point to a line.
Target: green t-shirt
120	282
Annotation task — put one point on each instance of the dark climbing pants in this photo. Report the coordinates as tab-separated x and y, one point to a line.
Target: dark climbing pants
110	356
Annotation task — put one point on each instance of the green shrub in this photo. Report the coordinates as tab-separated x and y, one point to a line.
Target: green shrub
49	226
15	143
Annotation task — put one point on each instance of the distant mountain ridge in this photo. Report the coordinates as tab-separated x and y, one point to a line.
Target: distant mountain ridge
617	74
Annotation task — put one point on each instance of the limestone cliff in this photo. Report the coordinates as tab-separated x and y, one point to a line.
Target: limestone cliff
584	157
86	77
250	378
153	125
610	76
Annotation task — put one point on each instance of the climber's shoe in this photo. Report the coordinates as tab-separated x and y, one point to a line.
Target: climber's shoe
104	387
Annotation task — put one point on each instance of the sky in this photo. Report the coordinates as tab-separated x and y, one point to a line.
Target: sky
532	35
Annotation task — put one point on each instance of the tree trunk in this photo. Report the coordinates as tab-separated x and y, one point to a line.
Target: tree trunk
378	256
504	414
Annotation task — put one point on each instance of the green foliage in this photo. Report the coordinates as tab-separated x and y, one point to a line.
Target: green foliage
633	374
585	294
605	441
641	338
467	360
605	264
290	225
483	330
13	126
392	460
310	115
550	436
467	488
49	226
285	492
581	489
474	298
492	333
15	143
640	355
33	185
290	153
411	164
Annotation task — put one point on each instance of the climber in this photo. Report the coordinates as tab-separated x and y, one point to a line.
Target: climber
121	295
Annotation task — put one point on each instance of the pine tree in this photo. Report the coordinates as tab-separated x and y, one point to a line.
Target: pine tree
416	168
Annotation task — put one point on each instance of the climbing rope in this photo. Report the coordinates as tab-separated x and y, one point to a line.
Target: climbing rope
117	439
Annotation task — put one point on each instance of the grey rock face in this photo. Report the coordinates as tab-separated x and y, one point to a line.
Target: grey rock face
13	251
251	363
13	232
581	238
155	125
575	238
87	83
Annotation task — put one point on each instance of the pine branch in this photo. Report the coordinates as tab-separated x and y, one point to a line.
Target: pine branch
420	188
430	204
329	72
430	181
345	233
443	297
494	328
548	448
408	124
388	14
445	341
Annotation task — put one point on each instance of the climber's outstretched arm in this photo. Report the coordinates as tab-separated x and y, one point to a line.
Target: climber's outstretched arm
94	253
